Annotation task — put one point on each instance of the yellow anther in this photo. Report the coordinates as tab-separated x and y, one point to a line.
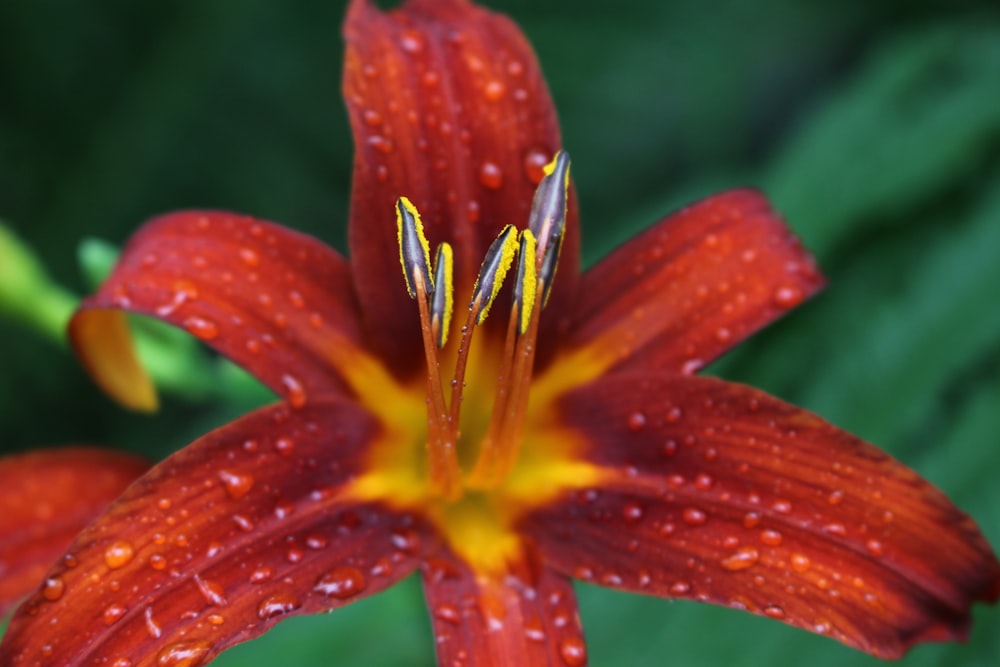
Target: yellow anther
442	302
494	269
526	287
414	250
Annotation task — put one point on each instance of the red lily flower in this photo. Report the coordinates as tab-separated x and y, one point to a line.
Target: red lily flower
574	441
46	498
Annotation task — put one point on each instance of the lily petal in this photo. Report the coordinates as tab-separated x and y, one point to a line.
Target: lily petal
721	493
238	530
46	497
448	107
525	616
689	288
267	297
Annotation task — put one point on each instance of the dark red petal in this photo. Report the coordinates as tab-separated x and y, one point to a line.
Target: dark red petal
214	545
721	493
277	302
449	108
525	616
46	498
689	288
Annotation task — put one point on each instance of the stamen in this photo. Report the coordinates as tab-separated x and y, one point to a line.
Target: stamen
442	303
414	251
526	286
548	219
494	269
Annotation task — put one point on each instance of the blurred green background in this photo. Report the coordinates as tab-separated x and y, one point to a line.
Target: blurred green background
874	126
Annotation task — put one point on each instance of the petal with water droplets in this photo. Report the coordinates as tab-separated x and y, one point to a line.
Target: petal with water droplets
727	495
182	565
449	108
46	497
269	298
689	288
526	615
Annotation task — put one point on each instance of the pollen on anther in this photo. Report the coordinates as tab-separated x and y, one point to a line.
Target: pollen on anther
414	250
526	286
442	302
495	266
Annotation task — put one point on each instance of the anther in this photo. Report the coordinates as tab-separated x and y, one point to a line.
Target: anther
526	285
442	301
414	251
494	269
547	219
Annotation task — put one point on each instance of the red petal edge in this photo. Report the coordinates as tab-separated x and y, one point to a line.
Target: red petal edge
217	543
448	107
526	616
277	302
46	498
689	288
723	494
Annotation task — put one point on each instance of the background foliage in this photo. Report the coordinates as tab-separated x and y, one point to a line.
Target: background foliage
875	127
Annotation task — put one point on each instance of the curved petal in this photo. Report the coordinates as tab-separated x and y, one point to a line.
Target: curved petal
238	530
692	286
721	493
525	616
46	498
449	108
277	302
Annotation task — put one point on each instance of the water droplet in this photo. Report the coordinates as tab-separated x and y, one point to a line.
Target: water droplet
250	257
534	165
745	557
411	42
276	605
188	653
573	651
782	506
788	296
316	542
122	662
703	482
723	334
636	421
494	90
405	540
211	591
285	446
261	574
383	145
835	528
800	562
674	415
836	497
201	328
112	613
692	366
490	175
296	392
341	583
770	537
632	512
246	524
874	547
118	554
372	117
53	588
694	517
237	484
152	627
448	613
774	611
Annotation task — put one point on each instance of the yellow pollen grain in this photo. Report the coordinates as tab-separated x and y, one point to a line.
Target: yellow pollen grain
528	279
418	231
443	306
507	250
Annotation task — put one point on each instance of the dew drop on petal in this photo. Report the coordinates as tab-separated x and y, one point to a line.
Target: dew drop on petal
249	257
874	547
211	591
112	613
372	117
636	422
774	611
261	574
236	483
53	588
800	562
285	446
276	605
494	90
118	554
201	328
770	537
534	165
694	517
788	296
490	175
382	144
341	582
632	512
448	613
745	557
296	392
188	653
573	651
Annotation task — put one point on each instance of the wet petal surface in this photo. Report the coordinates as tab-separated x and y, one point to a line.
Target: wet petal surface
526	616
46	497
237	531
692	286
723	494
277	302
448	108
